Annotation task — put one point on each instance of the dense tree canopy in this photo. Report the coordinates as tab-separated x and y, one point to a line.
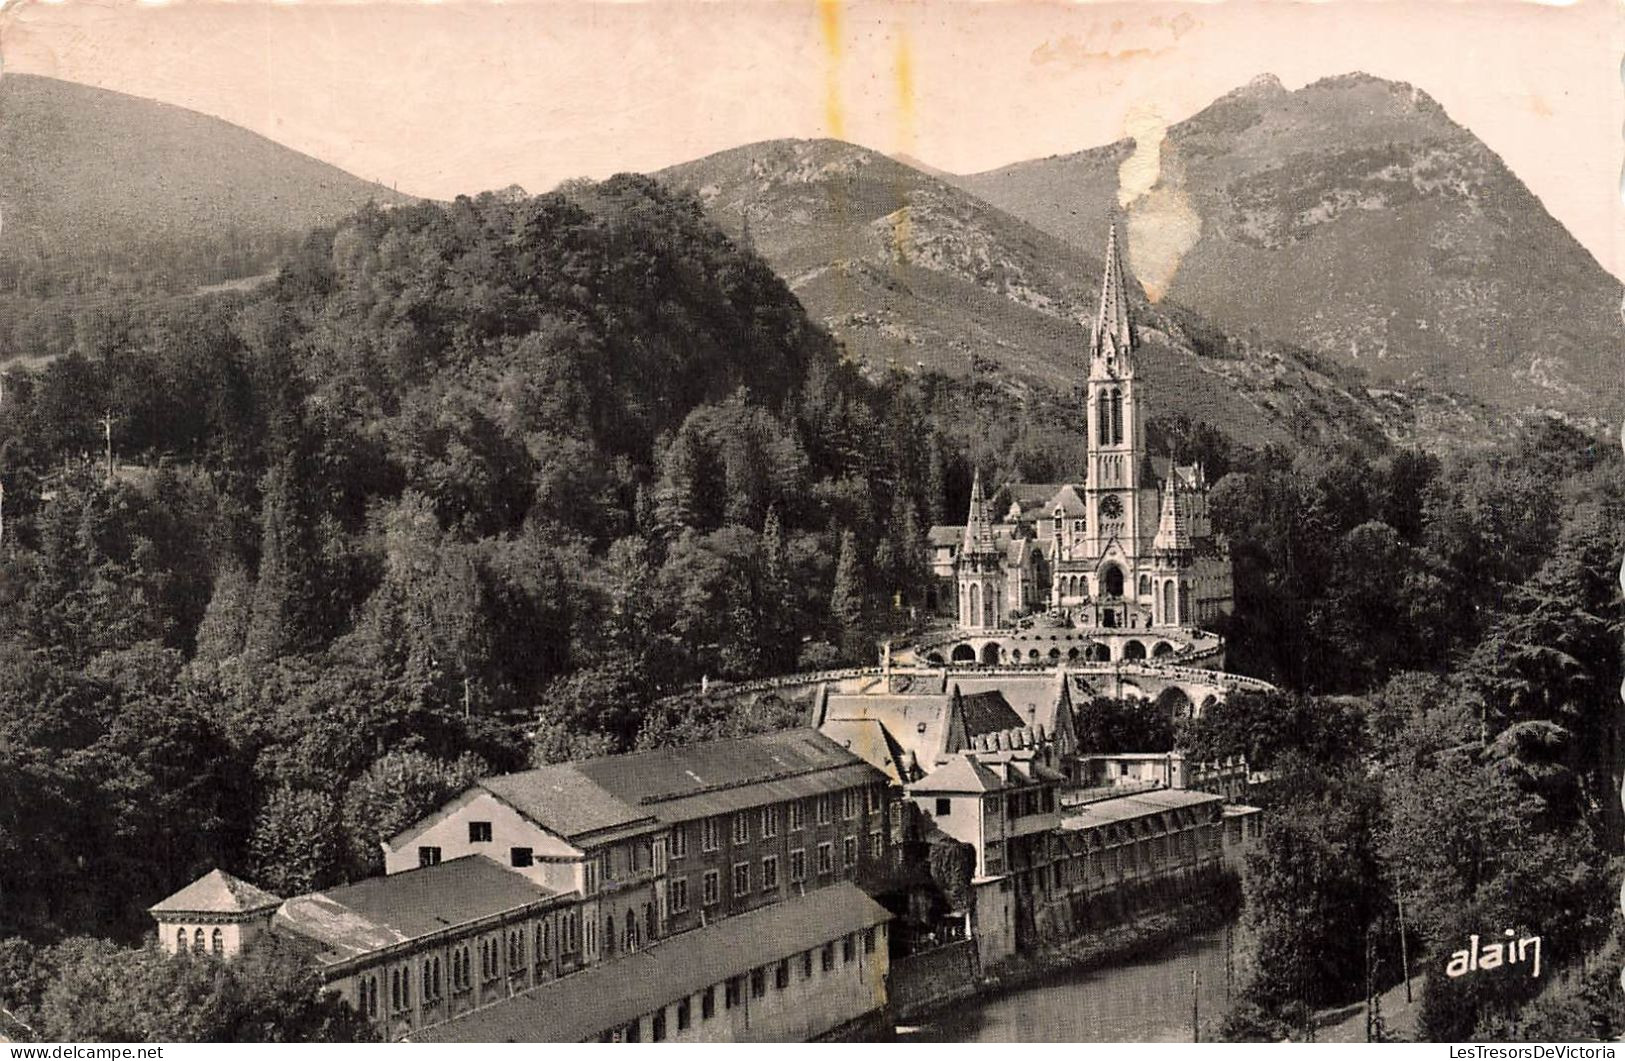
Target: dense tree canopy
476	485
459	478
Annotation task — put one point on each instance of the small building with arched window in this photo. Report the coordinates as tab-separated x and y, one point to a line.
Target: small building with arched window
216	914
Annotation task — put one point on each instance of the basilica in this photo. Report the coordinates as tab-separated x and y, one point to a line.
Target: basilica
1128	547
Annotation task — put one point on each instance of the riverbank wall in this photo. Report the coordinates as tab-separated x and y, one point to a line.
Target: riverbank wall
923	984
926	981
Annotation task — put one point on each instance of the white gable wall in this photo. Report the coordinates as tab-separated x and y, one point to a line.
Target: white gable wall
447	829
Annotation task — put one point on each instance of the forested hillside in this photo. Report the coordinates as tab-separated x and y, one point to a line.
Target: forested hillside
476	485
457	464
1456	767
106	195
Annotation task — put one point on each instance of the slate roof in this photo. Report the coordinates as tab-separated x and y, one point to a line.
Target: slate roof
1033	698
1035	501
871	741
583	1004
680	784
1025	497
942	534
988	712
1019	767
987	772
379	912
1174	798
217	892
962	773
1139	805
563	799
1163	467
918	722
925	726
775	790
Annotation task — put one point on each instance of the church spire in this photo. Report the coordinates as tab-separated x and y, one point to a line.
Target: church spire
1173	530
978	527
1113	337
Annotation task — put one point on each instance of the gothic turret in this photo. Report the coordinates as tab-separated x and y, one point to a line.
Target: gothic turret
1112	341
978	527
980	567
1173	527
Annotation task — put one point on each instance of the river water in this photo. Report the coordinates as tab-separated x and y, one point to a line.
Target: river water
1149	1000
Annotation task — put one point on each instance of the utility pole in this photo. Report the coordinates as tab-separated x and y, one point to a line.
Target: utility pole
1369	1012
1404	946
107	421
1229	959
1196	999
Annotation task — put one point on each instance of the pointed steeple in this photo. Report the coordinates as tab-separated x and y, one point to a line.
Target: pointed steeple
1113	337
978	527
1173	530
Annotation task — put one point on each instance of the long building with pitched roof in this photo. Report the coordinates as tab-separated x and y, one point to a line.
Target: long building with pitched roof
525	882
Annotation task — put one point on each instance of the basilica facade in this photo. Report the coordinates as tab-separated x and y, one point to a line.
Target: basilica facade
1130	546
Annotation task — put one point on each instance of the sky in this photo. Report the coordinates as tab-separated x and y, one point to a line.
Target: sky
441	98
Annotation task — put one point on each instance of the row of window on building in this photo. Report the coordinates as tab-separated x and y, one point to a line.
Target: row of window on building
711	829
734	988
492	949
767	877
1012	806
769	817
216	943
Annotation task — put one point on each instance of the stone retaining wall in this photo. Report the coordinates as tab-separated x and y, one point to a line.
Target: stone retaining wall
934	978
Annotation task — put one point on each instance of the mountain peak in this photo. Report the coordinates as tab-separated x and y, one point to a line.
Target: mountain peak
1402	95
1354	218
1263	86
